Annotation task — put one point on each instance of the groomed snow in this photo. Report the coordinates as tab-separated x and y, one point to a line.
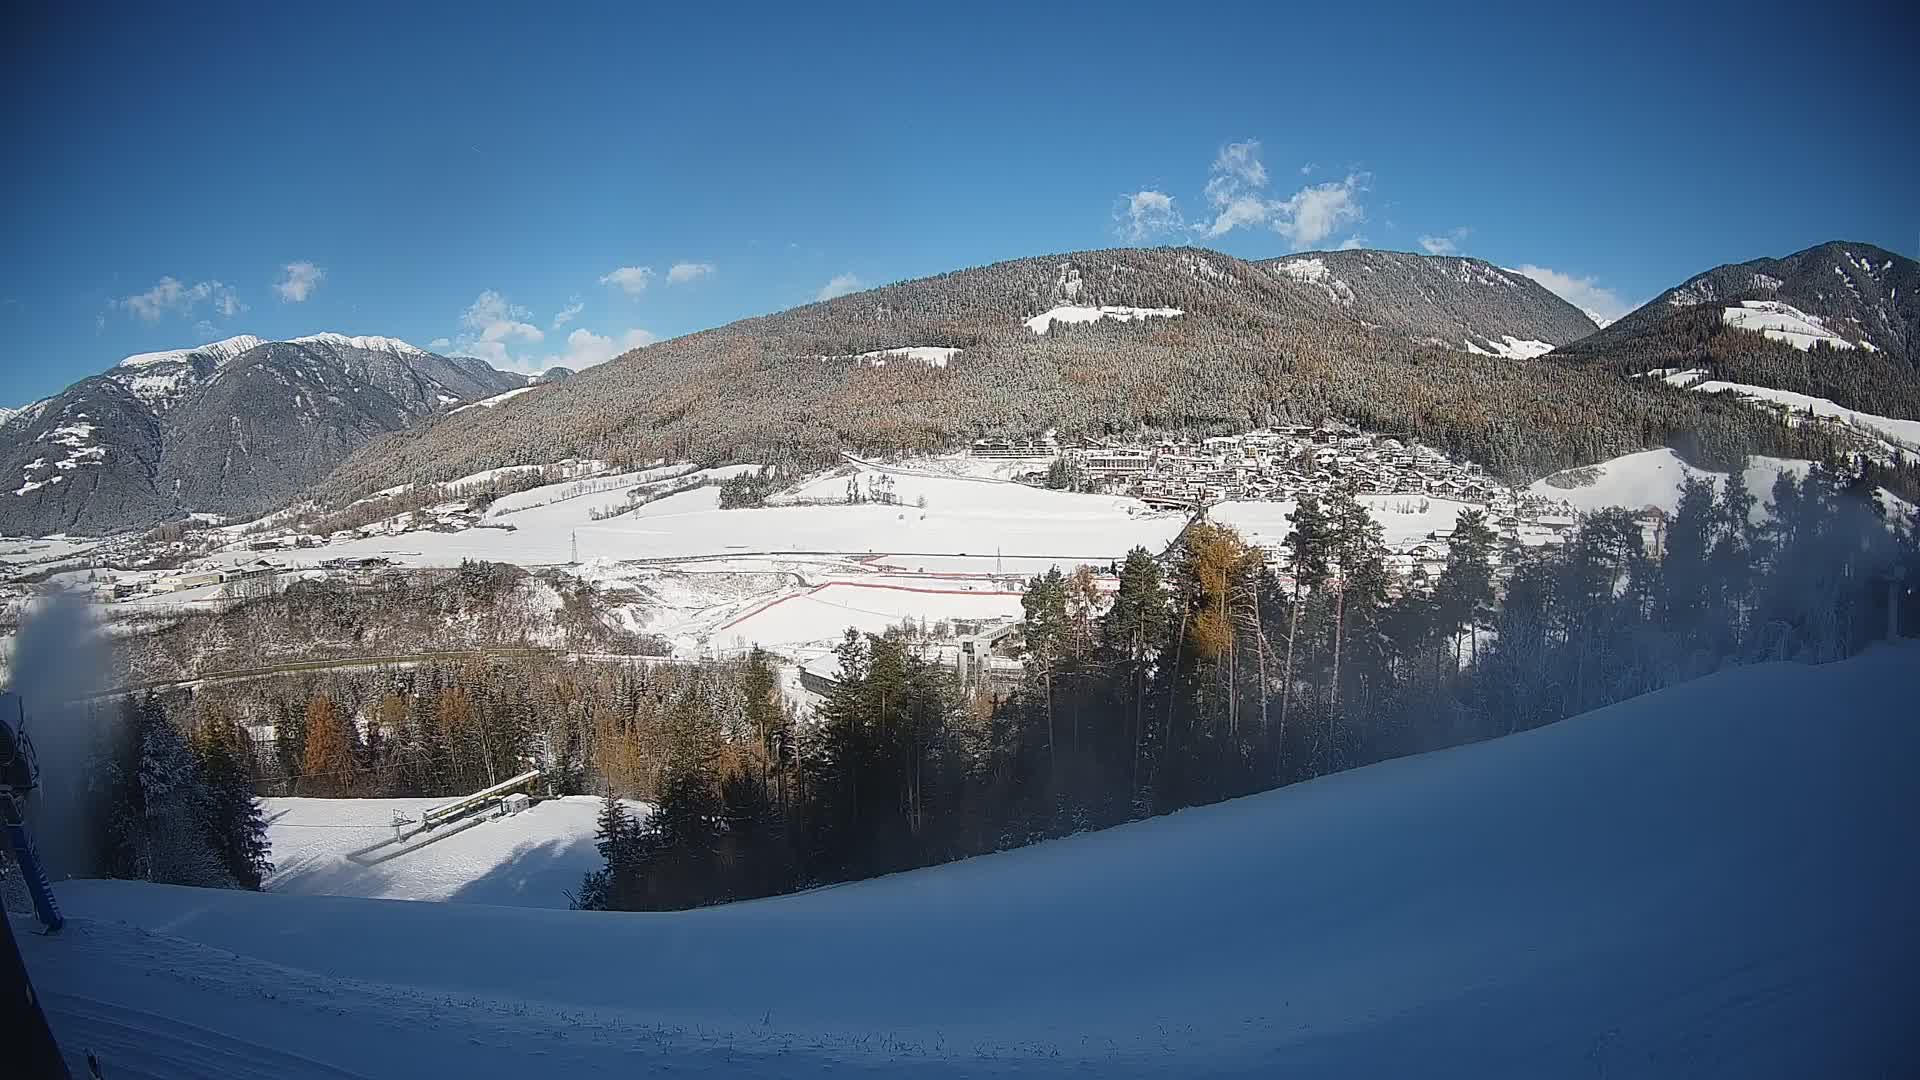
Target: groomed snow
1040	323
1694	883
530	859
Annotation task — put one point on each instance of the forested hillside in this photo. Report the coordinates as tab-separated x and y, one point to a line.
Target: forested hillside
1248	347
1861	293
1452	302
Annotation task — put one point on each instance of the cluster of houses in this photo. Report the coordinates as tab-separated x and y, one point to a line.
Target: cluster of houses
1284	463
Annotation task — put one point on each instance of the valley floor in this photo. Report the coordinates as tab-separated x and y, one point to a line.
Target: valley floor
1712	880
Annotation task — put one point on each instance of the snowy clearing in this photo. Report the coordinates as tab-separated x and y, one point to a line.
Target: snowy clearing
930	355
1783	322
1071	313
1693	883
1511	347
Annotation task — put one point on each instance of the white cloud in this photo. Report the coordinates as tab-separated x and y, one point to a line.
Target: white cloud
1585	293
1239	163
496	330
492	323
683	272
171	295
205	328
841	285
1237	192
1145	215
1447	243
302	278
632	280
586	349
1317	212
1353	243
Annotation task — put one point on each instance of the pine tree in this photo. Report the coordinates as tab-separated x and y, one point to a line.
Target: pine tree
235	826
1134	631
159	808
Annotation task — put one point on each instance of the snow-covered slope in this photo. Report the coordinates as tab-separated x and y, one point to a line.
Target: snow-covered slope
1697	883
531	859
1784	322
1653	478
1903	434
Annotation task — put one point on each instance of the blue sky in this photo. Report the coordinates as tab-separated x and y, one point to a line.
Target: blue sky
546	183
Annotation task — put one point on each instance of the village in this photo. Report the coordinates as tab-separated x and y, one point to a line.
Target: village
1282	464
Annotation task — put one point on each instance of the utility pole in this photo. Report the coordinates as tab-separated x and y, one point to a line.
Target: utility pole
575	535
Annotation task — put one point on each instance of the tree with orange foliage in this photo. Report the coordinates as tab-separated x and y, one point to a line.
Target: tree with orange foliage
328	765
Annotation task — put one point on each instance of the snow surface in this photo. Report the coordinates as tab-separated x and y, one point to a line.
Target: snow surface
1653	478
1077	314
930	355
1404	519
1697	883
1783	322
1511	347
1892	429
368	343
219	351
488	403
530	859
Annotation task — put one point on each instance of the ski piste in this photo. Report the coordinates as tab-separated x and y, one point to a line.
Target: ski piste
19	776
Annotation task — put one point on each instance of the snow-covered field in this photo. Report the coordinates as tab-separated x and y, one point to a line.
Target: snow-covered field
1074	313
1904	433
1784	322
1653	478
1697	883
1511	347
1404	519
530	859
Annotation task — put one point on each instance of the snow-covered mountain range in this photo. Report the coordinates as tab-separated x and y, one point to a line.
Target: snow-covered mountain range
232	426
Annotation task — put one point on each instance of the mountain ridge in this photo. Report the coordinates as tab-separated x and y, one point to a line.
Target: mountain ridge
1089	344
1497	312
234	426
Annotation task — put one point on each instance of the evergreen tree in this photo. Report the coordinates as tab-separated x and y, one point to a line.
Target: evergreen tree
159	806
235	826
